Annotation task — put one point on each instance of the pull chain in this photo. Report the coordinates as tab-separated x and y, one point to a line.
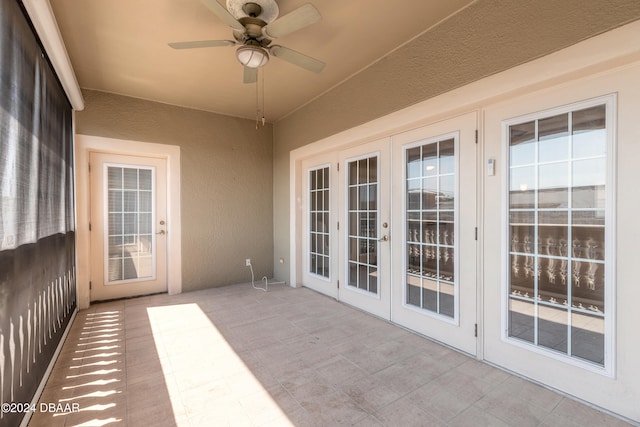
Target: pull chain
258	118
263	120
257	103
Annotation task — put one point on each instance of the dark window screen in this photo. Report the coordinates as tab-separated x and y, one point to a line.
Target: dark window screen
37	241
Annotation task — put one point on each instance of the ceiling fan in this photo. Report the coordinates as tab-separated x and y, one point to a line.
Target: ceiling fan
255	25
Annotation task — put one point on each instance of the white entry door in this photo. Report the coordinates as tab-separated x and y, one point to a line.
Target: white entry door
319	224
128	226
364	232
434	219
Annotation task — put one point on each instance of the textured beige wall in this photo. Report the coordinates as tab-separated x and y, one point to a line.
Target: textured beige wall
226	167
487	37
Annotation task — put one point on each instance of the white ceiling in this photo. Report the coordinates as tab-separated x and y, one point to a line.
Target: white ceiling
120	46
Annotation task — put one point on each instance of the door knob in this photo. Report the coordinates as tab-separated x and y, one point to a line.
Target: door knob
161	232
383	238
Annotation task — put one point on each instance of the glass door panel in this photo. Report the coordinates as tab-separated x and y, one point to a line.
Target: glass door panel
364	280
434	289
363	224
557	199
430	223
130	254
319	227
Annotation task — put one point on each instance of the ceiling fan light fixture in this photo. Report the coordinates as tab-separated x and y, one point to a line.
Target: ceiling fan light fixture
252	56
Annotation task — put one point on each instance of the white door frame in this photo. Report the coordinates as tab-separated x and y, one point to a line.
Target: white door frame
84	145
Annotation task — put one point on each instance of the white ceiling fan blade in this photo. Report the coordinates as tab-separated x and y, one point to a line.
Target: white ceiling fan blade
250	75
223	14
297	58
201	43
303	16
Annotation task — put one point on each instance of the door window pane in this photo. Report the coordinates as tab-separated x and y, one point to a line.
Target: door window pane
319	208
553	136
414	163
130	253
589	133
362	187
522	143
557	199
522	187
430	223
588	182
553	180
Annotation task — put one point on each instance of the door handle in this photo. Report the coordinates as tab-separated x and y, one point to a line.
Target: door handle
161	232
383	238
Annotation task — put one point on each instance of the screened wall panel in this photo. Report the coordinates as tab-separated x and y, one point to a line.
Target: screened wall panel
37	239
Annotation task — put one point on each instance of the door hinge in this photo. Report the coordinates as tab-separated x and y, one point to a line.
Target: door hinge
476	136
89	226
338	284
475	330
476	233
338	167
89	167
90	285
338	225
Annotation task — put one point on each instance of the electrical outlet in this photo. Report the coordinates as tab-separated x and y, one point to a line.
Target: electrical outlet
247	262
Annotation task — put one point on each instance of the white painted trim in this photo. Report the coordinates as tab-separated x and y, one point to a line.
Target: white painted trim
295	222
44	22
84	144
480	209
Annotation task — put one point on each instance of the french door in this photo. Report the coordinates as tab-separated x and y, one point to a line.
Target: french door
128	226
434	250
364	235
390	227
320	199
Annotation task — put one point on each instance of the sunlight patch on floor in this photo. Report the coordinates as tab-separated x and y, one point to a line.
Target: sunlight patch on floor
205	377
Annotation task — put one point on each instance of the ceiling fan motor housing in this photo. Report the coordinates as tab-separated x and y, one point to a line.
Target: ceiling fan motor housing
267	10
253	28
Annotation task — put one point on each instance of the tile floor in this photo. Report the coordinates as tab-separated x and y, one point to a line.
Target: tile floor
237	356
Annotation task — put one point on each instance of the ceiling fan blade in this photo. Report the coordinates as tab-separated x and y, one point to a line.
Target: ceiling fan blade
303	16
223	14
250	75
297	58
201	43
